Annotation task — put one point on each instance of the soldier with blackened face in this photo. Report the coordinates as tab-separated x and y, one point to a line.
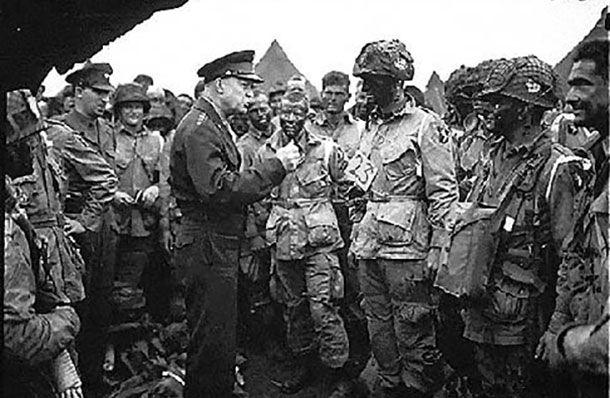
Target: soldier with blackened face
534	186
304	235
398	241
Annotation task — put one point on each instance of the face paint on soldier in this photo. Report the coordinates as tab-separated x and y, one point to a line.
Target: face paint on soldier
588	94
259	112
234	94
334	98
503	118
382	88
91	101
131	114
292	117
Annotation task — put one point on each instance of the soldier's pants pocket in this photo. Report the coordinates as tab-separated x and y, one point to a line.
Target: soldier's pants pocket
509	301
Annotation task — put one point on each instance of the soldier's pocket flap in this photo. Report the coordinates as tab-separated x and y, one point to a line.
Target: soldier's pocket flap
322	227
308	175
395	222
390	153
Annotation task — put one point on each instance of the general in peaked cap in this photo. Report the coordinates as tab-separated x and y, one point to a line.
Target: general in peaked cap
237	64
94	75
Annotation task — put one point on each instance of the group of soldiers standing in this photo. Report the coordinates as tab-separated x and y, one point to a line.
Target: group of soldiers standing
467	253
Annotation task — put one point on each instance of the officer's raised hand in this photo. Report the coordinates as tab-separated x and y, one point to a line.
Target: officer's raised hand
289	155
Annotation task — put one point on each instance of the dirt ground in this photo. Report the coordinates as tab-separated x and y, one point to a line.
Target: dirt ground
263	367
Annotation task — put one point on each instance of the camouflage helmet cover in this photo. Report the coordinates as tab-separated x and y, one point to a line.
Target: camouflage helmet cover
465	83
527	79
23	116
385	58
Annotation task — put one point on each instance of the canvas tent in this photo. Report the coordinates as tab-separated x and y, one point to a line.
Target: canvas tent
435	94
599	31
275	66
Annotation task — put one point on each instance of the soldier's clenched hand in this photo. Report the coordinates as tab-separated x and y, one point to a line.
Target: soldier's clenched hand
289	155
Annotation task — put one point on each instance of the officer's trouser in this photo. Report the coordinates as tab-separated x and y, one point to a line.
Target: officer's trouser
311	286
400	309
99	253
210	263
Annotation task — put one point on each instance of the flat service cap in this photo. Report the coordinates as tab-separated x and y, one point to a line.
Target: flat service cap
237	64
94	75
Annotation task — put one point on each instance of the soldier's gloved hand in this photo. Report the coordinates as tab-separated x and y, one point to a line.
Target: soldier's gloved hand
150	195
123	199
433	261
73	227
289	155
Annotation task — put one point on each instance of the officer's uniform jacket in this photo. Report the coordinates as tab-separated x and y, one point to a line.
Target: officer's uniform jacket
90	180
30	338
98	132
205	176
40	195
302	221
548	182
413	190
138	166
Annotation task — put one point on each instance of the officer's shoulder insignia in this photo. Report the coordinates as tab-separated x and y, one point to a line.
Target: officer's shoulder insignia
203	117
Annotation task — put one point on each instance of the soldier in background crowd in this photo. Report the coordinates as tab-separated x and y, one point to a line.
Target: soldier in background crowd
335	123
239	123
468	130
276	92
363	104
256	306
304	235
184	104
144	80
138	209
582	285
535	187
411	184
92	91
159	119
212	194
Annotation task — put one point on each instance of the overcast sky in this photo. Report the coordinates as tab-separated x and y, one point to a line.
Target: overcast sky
324	35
